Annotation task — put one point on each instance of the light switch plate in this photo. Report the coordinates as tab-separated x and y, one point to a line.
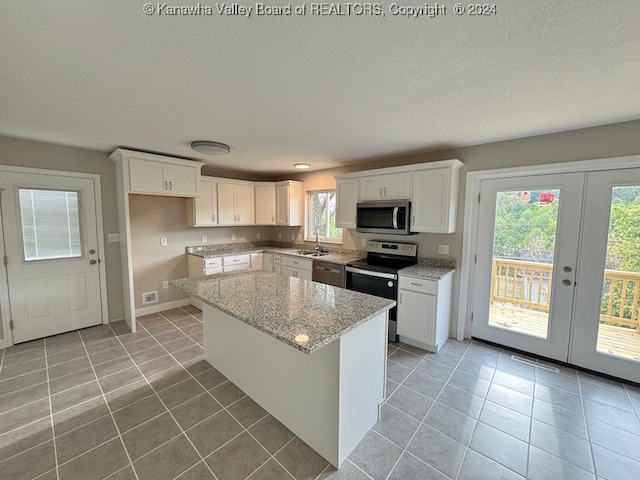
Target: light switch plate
299	237
163	241
279	236
443	249
113	237
165	284
204	239
363	242
293	237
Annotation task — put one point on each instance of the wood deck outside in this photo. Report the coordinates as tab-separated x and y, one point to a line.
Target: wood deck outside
620	341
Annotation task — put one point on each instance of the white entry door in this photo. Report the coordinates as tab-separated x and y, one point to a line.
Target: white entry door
51	245
528	232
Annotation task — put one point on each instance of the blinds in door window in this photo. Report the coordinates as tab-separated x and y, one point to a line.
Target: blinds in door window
50	224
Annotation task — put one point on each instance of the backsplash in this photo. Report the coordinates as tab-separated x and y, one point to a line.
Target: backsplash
437	262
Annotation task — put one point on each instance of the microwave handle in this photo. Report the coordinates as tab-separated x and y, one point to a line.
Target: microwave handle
395	218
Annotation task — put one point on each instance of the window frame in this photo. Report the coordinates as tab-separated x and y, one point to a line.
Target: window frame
309	236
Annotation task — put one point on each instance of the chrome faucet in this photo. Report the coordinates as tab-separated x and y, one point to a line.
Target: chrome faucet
317	248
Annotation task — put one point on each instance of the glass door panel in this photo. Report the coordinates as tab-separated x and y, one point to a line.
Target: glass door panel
524	242
526	226
618	328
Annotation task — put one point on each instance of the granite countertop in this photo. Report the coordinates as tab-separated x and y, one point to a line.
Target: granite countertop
341	258
426	271
285	307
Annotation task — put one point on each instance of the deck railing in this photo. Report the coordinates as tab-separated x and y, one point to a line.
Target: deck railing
528	285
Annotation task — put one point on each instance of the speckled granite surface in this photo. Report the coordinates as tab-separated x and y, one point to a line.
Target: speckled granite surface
285	307
335	255
426	271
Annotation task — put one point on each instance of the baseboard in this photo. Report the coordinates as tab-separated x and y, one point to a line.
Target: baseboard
4	343
161	307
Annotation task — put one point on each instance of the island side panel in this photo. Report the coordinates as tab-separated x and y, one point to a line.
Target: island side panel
363	359
300	390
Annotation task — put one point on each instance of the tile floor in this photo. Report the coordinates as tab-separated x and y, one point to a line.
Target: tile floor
104	403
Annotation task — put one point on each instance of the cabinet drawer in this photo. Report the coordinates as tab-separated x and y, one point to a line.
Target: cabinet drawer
212	262
236	260
212	271
418	285
295	262
277	259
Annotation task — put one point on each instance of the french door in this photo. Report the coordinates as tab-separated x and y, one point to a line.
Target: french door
557	268
52	259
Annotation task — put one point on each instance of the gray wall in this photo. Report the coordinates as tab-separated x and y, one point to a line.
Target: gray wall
153	217
591	143
27	153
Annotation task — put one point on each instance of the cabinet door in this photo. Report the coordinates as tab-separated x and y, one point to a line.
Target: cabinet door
226	207
431	202
202	211
304	274
265	204
397	186
282	205
244	205
346	202
257	261
146	176
417	316
182	180
267	262
288	271
371	188
277	268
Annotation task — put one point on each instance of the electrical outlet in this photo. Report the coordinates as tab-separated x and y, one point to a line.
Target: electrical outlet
293	237
149	297
443	249
165	284
258	235
363	242
233	236
163	241
279	236
204	239
113	237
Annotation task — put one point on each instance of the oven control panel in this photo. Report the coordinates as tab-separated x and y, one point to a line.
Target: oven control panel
393	248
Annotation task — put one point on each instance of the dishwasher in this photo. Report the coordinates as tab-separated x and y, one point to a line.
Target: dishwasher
329	273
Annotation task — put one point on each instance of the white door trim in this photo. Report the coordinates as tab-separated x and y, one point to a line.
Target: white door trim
470	226
4	287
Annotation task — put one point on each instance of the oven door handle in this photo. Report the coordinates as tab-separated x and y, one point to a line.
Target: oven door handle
395	217
370	273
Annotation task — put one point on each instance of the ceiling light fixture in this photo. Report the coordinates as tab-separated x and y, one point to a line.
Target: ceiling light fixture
302	166
210	148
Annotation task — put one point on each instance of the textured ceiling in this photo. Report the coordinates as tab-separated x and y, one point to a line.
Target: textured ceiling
320	89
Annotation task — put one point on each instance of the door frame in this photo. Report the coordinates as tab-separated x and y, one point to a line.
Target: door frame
5	312
471	217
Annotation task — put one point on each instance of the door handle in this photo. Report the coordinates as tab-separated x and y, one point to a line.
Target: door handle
380	191
165	185
385	191
566	282
170	185
213	217
93	262
92	251
567	269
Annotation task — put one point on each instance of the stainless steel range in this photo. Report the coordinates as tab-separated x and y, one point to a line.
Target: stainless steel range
377	274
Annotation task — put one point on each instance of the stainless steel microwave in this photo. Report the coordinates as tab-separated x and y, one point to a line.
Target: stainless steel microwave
391	217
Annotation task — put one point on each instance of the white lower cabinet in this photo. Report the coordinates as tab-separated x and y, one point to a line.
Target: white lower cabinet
297	267
424	310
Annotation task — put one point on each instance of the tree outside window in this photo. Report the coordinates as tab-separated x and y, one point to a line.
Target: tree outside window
322	217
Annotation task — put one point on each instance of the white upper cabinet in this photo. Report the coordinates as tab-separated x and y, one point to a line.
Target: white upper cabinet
202	211
347	201
392	186
432	188
235	203
435	198
265	203
158	175
289	203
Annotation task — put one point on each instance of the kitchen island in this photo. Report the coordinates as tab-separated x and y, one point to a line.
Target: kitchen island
312	355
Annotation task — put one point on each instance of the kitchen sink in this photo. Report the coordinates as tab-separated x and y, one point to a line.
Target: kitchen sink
308	253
